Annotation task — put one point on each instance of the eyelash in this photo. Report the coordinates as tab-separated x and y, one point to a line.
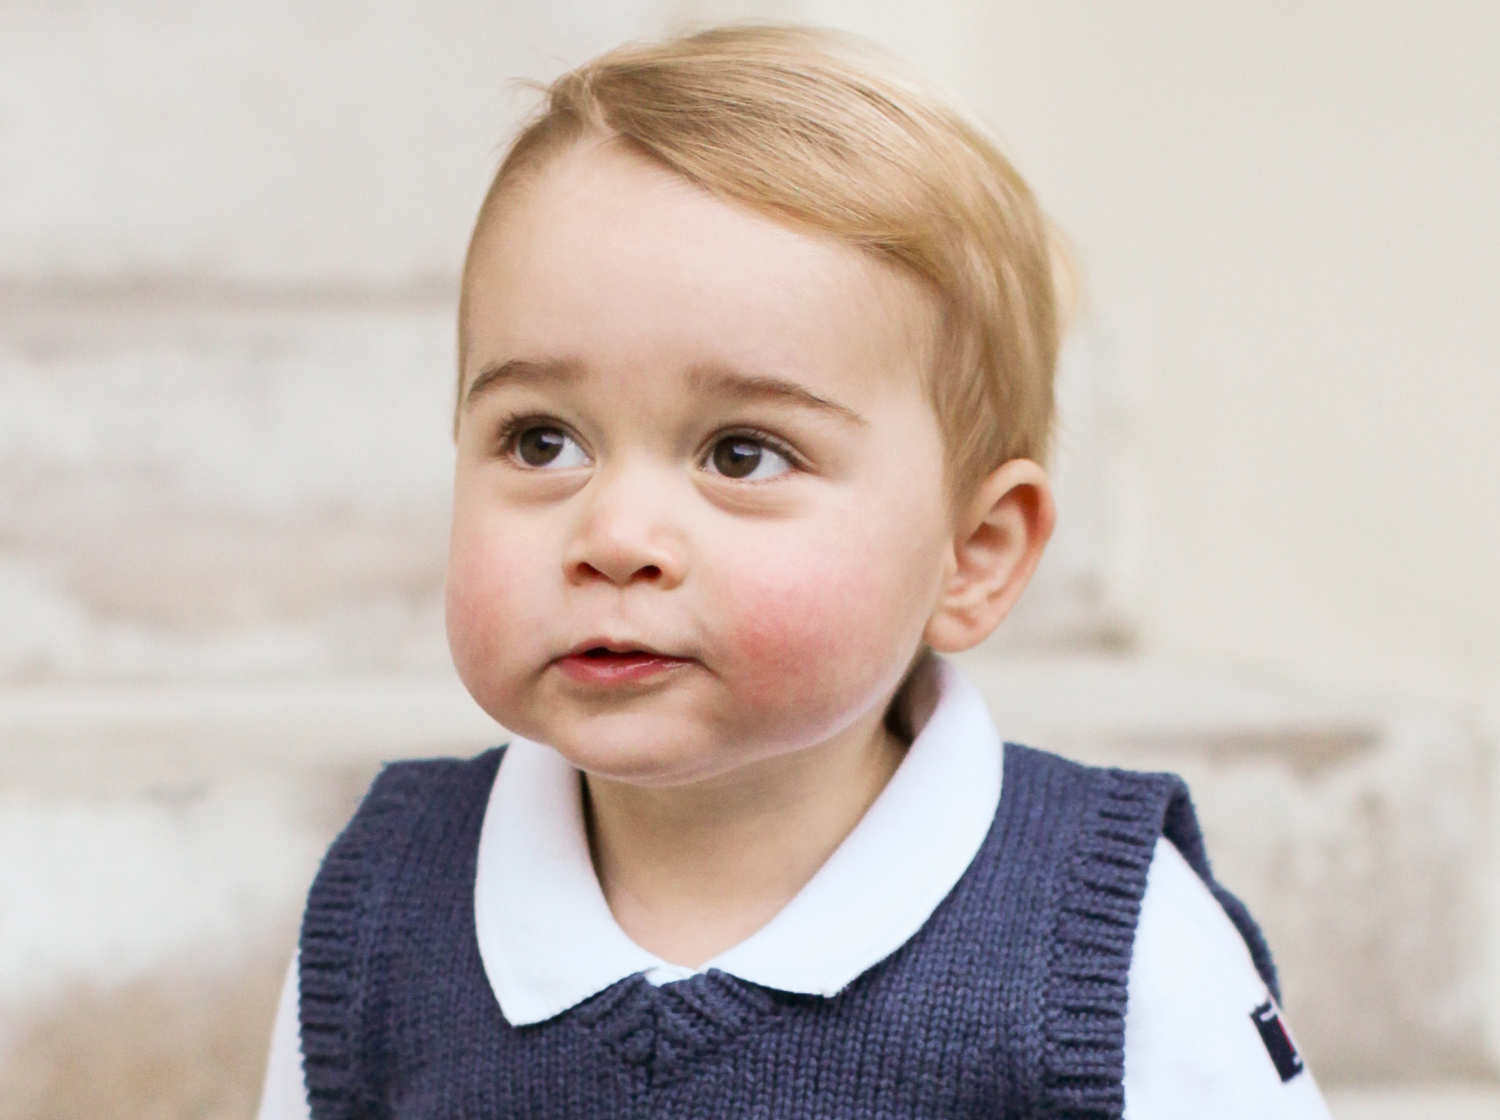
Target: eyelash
765	439
510	428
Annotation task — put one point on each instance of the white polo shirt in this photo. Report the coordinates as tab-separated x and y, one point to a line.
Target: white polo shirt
548	941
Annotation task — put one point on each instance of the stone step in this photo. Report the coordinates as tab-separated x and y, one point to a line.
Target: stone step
240	491
1455	1101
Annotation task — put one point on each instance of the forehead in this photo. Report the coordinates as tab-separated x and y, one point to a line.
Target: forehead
605	258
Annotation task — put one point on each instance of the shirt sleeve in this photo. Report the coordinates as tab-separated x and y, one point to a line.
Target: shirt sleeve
283	1096
1193	1045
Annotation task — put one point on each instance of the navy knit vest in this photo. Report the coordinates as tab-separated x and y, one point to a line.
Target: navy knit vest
1008	1002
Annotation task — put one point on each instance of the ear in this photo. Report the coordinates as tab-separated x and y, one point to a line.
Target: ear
999	535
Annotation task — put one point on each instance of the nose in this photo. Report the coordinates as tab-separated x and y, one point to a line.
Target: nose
626	532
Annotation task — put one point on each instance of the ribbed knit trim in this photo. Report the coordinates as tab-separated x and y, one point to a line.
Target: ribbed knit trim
330	953
1084	1032
1124	815
337	932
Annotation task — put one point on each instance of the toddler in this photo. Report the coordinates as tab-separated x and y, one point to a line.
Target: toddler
756	349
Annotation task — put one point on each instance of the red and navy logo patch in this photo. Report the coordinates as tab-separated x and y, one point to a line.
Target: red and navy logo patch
1278	1040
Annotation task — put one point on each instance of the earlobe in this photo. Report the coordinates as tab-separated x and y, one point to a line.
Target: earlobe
997	544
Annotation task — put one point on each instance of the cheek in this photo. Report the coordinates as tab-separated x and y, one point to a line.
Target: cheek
786	622
484	596
465	599
812	629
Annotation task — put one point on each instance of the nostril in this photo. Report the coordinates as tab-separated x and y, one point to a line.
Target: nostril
587	569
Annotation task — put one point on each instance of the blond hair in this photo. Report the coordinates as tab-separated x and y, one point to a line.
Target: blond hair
802	125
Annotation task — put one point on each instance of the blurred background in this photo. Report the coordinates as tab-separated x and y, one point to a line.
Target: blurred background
230	240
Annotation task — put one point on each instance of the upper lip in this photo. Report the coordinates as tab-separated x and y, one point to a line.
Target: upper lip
615	645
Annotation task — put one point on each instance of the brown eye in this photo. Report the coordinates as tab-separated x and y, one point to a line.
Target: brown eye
748	458
543	446
736	457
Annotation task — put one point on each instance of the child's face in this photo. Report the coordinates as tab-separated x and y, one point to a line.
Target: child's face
646	466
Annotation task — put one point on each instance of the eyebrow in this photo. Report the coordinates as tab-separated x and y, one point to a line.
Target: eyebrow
758	387
519	370
704	378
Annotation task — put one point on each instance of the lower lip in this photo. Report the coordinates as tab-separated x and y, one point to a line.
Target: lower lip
618	669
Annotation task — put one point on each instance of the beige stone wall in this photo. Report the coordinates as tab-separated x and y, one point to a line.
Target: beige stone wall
228	258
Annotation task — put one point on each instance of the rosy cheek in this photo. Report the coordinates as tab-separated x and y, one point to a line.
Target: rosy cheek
791	629
480	579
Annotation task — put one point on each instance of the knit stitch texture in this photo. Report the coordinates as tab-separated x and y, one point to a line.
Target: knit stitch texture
1008	1002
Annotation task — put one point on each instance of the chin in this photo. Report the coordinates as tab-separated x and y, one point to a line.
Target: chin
635	755
648	766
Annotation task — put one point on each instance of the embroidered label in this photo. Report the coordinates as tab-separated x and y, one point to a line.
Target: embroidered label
1278	1040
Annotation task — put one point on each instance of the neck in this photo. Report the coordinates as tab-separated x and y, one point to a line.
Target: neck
689	871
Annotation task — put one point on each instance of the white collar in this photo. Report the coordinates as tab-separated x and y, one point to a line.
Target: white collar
547	938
